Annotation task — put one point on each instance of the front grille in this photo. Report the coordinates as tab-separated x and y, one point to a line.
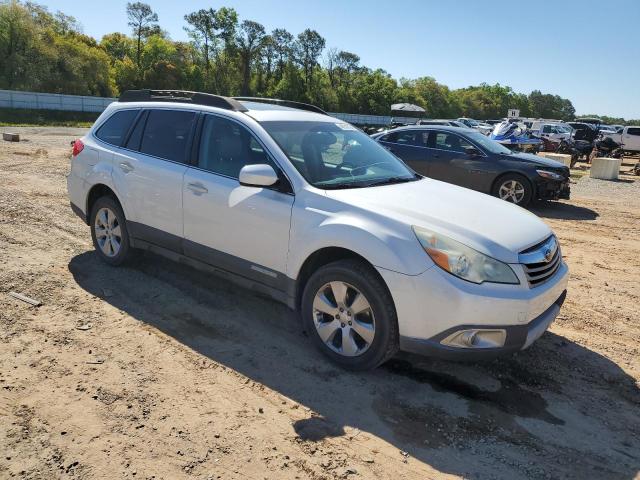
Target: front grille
541	261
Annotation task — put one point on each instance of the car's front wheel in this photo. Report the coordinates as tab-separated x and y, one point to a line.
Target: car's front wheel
109	231
514	188
349	313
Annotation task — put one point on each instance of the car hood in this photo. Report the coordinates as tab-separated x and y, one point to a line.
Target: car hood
491	226
528	157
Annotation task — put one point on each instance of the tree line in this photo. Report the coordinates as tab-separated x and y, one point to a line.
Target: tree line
48	52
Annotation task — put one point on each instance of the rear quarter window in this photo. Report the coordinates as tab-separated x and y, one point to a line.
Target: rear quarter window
116	127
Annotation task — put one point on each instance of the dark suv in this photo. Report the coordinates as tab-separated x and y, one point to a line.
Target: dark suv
470	159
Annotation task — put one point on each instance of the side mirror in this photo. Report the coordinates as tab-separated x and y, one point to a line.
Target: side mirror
261	175
471	151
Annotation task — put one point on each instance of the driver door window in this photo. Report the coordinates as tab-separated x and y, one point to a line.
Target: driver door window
226	147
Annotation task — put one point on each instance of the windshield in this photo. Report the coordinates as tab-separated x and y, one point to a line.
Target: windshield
337	155
488	144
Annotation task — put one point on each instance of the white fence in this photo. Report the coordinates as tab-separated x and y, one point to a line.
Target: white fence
53	101
79	103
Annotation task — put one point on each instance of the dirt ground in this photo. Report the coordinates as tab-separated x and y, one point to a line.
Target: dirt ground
159	371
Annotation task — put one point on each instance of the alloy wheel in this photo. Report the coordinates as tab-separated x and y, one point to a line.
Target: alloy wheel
512	191
343	318
108	232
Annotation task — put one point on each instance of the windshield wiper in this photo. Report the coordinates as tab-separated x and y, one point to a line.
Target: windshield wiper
338	186
363	184
391	181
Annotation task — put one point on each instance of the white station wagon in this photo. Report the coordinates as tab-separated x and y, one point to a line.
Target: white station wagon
285	199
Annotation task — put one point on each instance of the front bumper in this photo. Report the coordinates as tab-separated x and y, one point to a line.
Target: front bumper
554	190
434	305
518	337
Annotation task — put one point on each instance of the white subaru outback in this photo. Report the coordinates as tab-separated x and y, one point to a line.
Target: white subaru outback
289	201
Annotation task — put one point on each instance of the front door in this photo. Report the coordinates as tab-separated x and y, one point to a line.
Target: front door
451	162
244	230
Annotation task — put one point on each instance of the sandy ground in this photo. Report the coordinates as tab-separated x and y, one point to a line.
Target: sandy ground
158	371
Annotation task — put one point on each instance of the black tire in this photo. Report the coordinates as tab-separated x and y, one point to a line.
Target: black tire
528	188
125	253
367	281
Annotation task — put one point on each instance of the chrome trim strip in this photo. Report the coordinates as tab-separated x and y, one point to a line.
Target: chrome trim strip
540	255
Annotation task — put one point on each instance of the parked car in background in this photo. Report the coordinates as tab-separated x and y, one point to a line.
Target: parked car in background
470	159
584	131
552	131
607	129
450	123
293	203
629	138
483	128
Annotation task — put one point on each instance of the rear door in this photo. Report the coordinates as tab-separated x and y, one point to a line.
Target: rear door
148	172
409	146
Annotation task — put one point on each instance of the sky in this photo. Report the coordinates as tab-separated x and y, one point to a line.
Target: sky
584	50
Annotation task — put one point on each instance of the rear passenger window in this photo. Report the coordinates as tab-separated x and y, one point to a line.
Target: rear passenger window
410	137
116	127
166	134
136	135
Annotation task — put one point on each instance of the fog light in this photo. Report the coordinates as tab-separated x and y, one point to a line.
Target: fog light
476	338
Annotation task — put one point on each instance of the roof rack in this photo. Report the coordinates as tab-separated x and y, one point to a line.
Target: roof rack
284	103
182	96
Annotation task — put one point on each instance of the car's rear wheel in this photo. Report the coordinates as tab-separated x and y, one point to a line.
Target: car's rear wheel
349	313
109	231
514	188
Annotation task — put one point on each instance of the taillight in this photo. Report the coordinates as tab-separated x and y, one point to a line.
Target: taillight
78	146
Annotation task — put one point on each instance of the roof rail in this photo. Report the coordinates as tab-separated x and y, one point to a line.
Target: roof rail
182	96
284	103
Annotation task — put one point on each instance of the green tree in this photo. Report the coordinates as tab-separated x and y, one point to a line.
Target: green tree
203	31
117	46
250	40
308	48
283	46
143	21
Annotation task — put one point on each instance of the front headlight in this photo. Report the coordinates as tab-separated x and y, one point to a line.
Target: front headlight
550	175
462	261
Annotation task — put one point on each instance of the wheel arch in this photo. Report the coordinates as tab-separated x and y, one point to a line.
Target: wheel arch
325	256
95	192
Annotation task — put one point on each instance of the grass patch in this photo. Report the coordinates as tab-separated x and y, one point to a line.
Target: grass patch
17	117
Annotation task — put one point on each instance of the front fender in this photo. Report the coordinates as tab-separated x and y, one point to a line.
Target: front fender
385	244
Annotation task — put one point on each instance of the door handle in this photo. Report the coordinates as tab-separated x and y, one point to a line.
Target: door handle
197	188
126	167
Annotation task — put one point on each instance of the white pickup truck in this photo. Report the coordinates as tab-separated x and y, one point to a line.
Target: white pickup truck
629	138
